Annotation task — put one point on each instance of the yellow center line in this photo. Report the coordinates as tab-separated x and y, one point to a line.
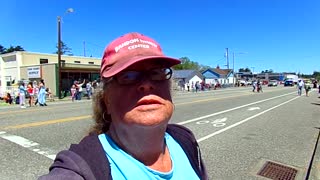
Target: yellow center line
19	111
33	109
47	122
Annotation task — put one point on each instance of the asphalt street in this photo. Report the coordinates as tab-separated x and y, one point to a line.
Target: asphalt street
238	132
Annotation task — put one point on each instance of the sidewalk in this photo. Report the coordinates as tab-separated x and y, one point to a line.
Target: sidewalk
56	100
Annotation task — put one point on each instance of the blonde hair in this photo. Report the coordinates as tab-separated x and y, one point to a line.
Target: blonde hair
101	118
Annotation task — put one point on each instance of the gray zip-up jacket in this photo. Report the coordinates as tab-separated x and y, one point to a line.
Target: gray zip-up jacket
87	159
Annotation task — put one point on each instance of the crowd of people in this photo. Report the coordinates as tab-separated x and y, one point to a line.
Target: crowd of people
35	92
85	88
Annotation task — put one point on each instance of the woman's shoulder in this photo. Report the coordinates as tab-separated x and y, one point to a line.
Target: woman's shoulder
68	165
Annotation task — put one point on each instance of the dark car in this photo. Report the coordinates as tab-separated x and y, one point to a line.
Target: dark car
288	83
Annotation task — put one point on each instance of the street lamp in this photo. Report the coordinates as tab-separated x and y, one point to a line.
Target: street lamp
70	10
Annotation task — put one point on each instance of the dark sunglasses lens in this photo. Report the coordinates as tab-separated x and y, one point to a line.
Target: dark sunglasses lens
128	77
161	74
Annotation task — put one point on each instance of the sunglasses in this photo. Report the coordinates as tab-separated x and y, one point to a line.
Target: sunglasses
134	77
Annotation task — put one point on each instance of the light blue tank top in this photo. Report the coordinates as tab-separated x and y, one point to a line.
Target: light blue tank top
124	166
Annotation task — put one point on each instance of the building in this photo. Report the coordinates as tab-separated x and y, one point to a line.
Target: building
31	66
182	78
218	76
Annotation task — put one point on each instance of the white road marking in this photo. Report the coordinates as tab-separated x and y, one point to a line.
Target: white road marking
219	122
253	108
215	123
26	144
243	121
232	109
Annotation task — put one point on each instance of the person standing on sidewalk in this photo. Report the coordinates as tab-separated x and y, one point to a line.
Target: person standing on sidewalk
79	90
89	89
73	92
22	95
42	93
30	90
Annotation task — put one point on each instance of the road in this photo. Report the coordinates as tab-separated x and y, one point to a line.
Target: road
238	131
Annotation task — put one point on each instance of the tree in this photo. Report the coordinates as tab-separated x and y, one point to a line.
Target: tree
316	75
18	48
186	63
64	49
2	49
267	71
244	70
10	49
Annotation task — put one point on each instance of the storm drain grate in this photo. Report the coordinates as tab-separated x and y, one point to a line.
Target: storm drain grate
277	171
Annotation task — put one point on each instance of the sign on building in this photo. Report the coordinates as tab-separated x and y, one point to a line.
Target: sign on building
34	72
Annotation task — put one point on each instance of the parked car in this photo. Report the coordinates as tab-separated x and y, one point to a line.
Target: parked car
288	83
273	83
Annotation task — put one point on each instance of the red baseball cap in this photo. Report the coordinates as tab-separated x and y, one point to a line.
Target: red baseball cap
129	49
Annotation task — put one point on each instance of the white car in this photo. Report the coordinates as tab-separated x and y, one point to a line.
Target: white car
273	83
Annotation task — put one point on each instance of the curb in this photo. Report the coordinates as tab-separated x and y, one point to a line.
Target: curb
315	168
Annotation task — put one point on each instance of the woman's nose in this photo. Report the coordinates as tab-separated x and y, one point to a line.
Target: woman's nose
146	85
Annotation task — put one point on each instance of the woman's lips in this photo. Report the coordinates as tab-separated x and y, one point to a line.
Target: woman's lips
148	104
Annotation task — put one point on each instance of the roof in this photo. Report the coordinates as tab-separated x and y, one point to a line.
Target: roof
185	74
221	73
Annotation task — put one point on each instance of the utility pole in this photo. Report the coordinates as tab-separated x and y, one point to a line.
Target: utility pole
59	57
233	68
84	48
227	57
252	70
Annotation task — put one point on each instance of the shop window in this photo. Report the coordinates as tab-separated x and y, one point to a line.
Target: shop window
91	62
76	61
43	61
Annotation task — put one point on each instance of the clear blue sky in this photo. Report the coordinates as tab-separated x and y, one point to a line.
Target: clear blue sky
283	35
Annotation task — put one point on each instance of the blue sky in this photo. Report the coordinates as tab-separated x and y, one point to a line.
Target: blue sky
282	35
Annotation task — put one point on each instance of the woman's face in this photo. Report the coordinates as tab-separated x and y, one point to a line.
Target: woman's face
145	103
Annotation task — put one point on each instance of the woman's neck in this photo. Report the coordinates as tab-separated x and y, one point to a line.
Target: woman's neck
145	144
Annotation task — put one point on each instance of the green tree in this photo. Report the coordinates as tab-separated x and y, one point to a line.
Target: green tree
18	48
186	63
64	49
267	71
316	75
2	49
10	49
244	70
